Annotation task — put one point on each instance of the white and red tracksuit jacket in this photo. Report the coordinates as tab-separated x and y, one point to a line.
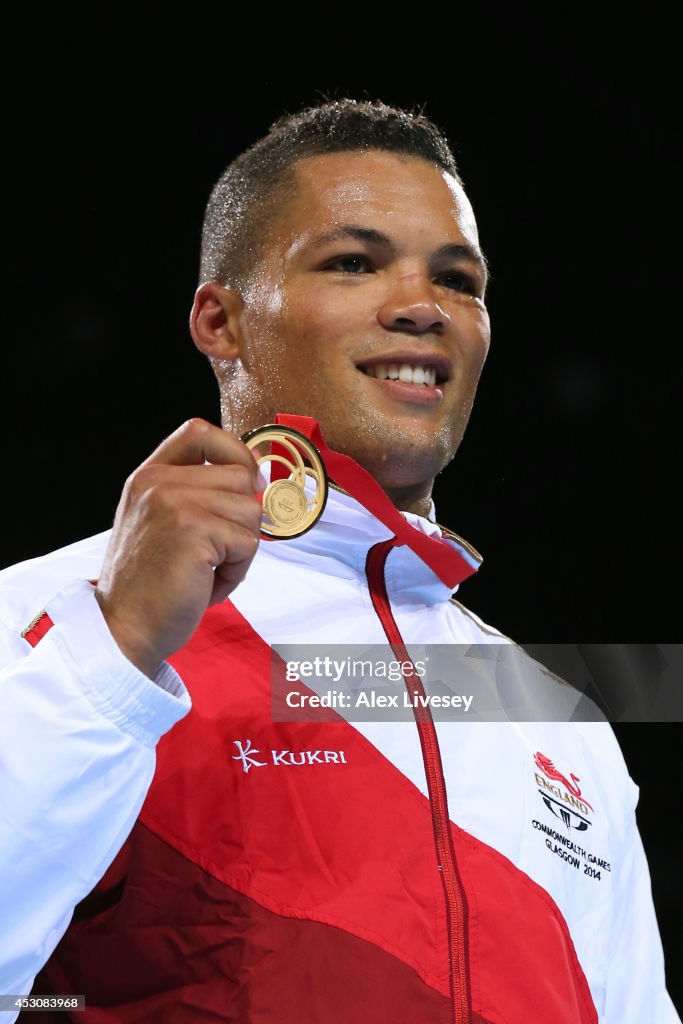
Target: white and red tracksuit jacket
288	872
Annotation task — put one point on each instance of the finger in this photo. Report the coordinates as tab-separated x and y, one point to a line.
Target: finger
213	527
230	549
179	481
238	546
198	441
239	509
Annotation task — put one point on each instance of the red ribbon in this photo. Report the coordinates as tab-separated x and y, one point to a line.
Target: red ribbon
442	558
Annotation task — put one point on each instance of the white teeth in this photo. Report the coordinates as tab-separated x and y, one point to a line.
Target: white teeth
405	372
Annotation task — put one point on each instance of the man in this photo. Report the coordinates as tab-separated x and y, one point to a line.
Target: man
328	870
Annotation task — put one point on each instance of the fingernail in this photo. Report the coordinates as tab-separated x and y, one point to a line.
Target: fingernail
261	482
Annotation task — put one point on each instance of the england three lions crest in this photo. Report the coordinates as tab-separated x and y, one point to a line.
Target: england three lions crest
562	794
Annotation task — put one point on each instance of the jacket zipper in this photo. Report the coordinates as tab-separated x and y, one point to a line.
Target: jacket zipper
456	902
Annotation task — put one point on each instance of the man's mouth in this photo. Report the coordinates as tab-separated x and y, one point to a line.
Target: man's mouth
404	372
424	369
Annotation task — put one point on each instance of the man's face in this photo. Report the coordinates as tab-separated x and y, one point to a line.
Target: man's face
370	269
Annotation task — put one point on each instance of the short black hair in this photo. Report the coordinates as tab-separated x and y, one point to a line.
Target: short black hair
244	200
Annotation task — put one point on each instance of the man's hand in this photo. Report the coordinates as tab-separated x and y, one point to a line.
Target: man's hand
184	536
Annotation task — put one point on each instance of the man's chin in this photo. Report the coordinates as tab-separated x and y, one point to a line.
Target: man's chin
404	465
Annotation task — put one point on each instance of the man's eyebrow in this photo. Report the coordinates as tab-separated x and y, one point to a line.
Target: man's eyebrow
464	251
354	232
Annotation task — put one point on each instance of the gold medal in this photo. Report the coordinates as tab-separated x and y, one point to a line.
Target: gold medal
287	510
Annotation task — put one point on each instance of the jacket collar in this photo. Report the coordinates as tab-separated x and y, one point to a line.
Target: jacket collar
339	543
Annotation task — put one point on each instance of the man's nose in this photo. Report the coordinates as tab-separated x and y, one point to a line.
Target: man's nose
413	307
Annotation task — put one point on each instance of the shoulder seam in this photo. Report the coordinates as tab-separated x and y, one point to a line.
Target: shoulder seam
480	624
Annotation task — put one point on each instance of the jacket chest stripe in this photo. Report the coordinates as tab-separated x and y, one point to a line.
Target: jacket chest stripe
456	902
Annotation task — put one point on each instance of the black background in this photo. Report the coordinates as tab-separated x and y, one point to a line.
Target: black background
566	478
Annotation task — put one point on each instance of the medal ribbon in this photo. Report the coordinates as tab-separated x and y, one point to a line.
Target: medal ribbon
443	559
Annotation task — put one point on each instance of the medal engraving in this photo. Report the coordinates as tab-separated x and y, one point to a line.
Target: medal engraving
285	503
288	509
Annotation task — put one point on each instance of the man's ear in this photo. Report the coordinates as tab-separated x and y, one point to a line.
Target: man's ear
214	321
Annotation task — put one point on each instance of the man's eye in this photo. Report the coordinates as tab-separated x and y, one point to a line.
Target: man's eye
350	264
459	281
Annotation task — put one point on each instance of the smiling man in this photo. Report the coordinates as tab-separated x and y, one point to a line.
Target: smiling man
336	868
366	311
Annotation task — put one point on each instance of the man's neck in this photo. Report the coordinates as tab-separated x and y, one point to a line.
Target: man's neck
412	499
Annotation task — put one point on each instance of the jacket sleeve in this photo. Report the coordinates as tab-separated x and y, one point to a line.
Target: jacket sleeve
636	989
78	729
